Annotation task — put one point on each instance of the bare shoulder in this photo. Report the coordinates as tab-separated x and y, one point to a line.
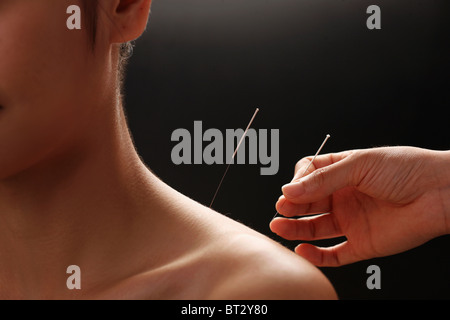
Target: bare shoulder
254	267
227	260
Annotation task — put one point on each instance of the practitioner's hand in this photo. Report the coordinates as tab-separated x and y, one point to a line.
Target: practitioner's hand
383	200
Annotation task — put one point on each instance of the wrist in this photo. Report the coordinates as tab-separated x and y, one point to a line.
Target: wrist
443	175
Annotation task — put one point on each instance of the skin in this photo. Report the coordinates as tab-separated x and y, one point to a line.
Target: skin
73	190
383	200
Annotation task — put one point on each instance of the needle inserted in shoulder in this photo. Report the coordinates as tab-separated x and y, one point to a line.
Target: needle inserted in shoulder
311	162
234	154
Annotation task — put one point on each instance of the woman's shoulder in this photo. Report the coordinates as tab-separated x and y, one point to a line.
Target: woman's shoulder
249	265
215	257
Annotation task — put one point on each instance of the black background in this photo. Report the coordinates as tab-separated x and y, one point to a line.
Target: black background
312	67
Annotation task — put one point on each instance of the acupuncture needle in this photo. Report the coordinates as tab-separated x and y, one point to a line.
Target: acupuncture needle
232	158
311	162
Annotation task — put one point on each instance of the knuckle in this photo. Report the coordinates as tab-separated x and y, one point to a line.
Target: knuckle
335	259
311	229
305	229
318	178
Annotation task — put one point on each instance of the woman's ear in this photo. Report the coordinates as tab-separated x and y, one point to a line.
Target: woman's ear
129	18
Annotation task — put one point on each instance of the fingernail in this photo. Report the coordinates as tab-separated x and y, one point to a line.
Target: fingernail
292	190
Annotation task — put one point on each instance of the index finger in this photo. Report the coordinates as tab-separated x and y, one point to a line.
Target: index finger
320	162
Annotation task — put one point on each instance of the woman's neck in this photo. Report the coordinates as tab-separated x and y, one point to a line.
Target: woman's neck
68	208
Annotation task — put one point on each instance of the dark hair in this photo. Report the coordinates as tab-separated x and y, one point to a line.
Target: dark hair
91	20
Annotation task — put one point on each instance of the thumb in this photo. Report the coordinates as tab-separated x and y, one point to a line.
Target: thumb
322	182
